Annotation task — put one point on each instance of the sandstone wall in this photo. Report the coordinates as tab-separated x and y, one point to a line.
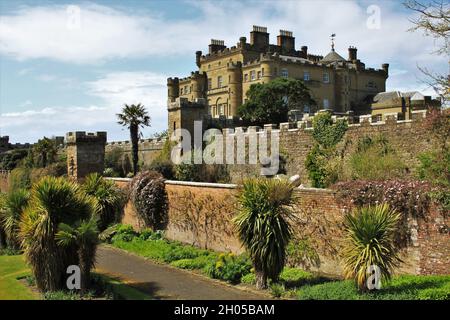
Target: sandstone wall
201	214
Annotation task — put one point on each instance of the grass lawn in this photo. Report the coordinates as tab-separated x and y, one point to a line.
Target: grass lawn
11	288
12	268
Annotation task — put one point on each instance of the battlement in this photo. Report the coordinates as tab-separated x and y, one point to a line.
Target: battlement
307	122
185	103
83	136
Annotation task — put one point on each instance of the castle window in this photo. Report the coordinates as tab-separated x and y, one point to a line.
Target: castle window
259	74
219	82
209	83
306	76
326	104
262	71
275	71
326	77
252	75
245	77
186	89
182	91
284	73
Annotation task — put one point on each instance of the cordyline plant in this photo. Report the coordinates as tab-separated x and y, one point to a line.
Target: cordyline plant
149	197
263	225
370	242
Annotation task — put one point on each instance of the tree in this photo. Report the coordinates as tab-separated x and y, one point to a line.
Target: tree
46	149
263	227
84	235
370	242
434	21
53	201
134	117
270	102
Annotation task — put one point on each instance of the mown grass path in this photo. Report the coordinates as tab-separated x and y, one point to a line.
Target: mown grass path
163	281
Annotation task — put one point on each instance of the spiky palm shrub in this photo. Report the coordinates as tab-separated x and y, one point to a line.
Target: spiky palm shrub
109	197
370	242
53	201
263	227
10	212
84	235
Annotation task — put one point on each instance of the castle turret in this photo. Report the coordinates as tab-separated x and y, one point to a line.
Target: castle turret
235	86
173	89
305	52
198	55
385	67
198	82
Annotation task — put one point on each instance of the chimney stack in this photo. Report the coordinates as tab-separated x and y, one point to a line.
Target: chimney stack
216	45
198	55
305	52
352	55
286	41
259	38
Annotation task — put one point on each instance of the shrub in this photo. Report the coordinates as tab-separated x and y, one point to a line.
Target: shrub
165	168
370	242
11	159
277	289
374	159
149	197
110	199
262	225
249	278
326	135
19	178
56	169
123	232
228	267
197	263
336	290
149	234
11	209
301	253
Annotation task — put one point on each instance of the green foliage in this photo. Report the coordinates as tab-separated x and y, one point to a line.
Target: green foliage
124	233
19	178
326	135
44	152
198	263
228	267
370	242
300	252
149	197
113	163
110	199
277	289
10	211
270	102
374	159
262	224
405	287
53	201
11	159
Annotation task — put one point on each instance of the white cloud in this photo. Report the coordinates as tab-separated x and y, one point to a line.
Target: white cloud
114	89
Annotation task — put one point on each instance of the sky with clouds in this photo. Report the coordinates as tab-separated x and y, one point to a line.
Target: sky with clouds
71	66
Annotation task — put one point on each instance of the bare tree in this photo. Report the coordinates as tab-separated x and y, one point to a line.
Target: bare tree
434	21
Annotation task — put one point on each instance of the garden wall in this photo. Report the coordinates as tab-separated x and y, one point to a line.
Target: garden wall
201	213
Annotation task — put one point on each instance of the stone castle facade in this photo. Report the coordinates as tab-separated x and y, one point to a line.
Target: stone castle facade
224	75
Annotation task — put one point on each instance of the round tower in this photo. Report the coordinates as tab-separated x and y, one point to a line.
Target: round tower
173	89
198	85
235	86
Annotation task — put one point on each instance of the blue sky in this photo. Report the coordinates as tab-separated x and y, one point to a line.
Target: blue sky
71	65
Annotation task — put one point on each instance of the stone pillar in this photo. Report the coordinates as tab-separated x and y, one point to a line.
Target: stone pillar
85	153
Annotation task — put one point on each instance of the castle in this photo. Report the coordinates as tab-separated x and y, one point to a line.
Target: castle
218	88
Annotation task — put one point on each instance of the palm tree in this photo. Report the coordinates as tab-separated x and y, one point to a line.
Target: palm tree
46	150
53	201
134	117
10	212
109	197
370	242
84	235
263	227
